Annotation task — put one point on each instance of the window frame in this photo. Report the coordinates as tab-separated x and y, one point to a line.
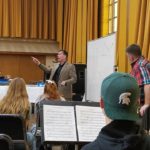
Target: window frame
111	19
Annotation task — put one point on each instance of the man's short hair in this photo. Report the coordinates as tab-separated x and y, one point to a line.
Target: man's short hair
120	93
134	49
64	52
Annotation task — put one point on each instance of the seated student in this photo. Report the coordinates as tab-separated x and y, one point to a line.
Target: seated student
50	94
120	93
16	102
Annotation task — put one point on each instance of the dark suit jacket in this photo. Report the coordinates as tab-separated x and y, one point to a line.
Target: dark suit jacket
67	74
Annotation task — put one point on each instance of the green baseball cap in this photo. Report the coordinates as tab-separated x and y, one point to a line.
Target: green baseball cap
120	93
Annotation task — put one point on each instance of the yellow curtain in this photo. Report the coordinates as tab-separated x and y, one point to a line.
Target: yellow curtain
5	17
133	27
59	20
28	19
26	15
104	16
83	22
33	15
1	15
70	22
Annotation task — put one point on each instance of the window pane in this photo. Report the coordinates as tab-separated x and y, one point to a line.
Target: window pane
113	12
110	26
110	12
115	25
110	1
115	9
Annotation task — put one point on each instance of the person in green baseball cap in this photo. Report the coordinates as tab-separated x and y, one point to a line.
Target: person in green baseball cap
119	99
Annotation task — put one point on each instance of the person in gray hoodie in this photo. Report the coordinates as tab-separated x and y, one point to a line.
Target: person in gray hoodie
119	98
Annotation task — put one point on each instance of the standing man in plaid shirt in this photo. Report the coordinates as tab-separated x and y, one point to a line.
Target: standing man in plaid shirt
141	72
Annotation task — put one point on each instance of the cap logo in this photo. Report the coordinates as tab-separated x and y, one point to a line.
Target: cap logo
124	98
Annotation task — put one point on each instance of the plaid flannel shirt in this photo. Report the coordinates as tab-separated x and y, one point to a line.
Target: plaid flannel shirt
140	71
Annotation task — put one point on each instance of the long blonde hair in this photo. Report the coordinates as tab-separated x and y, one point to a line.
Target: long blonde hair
16	99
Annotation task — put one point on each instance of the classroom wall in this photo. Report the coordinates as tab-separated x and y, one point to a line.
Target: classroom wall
15	57
21	66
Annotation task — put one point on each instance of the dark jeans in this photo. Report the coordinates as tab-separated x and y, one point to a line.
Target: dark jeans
142	95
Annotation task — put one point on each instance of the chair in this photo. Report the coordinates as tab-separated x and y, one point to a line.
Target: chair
6	142
14	126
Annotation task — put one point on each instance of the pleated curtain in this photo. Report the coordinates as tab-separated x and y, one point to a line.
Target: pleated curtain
70	22
133	27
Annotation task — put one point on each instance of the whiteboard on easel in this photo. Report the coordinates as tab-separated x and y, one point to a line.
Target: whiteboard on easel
100	63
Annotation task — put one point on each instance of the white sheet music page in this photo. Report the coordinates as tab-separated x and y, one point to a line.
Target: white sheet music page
59	123
90	120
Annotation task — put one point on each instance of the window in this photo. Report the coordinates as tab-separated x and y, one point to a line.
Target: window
113	11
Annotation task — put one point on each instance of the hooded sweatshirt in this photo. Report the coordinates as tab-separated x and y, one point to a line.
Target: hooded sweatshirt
120	135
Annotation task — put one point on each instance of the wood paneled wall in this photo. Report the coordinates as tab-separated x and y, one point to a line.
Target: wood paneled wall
21	65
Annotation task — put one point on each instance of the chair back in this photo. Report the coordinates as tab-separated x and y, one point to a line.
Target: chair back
13	125
6	142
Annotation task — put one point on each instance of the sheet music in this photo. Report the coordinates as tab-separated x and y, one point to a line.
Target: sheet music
59	123
90	120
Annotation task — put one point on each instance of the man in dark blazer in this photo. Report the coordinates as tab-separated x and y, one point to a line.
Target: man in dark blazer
64	74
